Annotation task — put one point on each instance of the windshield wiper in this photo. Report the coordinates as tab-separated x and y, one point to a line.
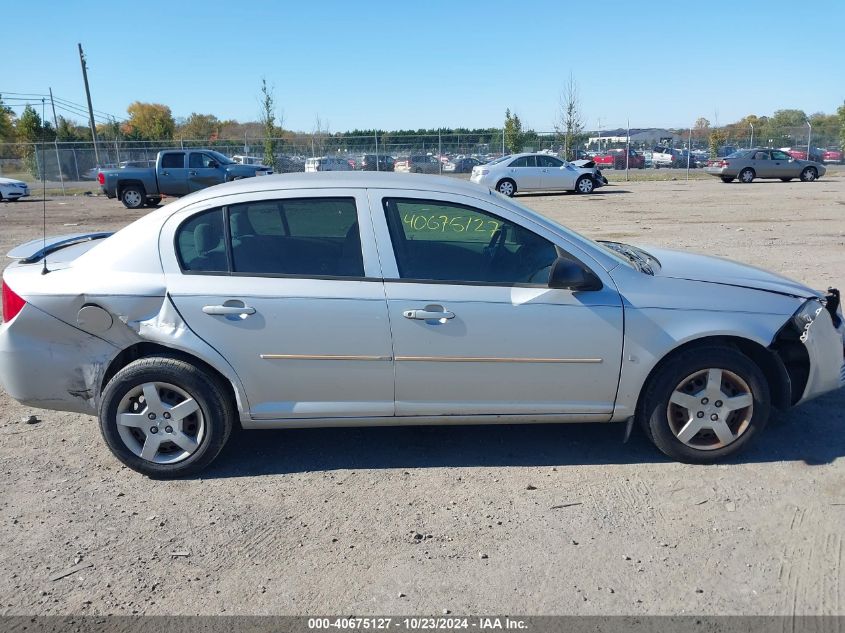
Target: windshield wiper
639	258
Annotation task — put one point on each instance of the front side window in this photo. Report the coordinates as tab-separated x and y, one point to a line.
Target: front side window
445	241
173	160
548	161
298	236
198	160
777	155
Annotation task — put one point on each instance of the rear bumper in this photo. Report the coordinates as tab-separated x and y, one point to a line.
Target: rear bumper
48	364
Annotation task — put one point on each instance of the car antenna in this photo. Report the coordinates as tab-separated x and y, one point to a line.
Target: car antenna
44	269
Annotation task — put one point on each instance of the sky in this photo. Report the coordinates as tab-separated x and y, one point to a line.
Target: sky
431	63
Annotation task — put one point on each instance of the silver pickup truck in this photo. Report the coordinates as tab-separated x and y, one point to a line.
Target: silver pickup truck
176	173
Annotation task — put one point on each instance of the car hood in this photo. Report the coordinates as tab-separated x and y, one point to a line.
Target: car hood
717	270
11	181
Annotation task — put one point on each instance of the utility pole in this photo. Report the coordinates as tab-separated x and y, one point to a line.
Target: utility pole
90	107
56	143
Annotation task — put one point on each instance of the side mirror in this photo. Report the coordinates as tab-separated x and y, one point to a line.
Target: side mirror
567	274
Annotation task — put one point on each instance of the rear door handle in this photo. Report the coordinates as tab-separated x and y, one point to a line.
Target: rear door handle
192	173
428	315
225	310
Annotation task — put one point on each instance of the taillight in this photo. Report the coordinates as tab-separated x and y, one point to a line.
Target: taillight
101	178
12	303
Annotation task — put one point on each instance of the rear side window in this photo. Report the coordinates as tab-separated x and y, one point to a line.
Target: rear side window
175	160
200	243
308	237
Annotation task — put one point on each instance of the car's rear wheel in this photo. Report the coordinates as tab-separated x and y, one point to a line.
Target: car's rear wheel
164	417
705	404
133	197
809	174
747	175
727	179
506	187
153	202
585	184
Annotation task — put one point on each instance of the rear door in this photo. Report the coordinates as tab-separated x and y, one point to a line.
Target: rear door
286	286
173	174
204	171
763	165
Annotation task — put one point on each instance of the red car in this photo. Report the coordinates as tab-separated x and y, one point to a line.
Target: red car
832	155
616	158
801	154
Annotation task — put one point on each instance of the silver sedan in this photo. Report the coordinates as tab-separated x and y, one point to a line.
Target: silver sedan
749	164
343	299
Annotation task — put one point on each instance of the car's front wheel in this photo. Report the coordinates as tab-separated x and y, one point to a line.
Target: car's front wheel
506	187
164	417
585	184
705	404
809	174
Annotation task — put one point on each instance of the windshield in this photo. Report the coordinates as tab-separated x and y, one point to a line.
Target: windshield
499	160
573	236
223	160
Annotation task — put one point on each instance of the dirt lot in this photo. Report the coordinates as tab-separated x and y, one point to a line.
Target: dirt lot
531	520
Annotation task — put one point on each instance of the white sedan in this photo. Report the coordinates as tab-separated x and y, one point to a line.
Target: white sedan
343	299
12	189
537	172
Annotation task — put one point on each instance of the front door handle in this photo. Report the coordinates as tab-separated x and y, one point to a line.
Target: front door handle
192	173
225	310
428	315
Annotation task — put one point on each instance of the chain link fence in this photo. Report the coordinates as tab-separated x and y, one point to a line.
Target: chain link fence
80	161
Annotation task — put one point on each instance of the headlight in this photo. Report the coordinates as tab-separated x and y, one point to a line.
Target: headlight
805	317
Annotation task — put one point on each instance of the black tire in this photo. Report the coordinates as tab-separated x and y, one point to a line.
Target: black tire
506	187
747	176
153	202
211	396
133	196
809	174
653	409
581	185
786	179
726	178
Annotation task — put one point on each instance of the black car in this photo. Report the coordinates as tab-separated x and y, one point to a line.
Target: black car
461	165
369	162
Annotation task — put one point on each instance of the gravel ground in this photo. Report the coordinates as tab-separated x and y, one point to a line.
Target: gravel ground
547	519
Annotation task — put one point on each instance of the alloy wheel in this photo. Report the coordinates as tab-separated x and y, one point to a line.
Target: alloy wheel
506	188
710	409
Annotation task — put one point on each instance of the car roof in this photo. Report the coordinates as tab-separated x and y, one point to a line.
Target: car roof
336	179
